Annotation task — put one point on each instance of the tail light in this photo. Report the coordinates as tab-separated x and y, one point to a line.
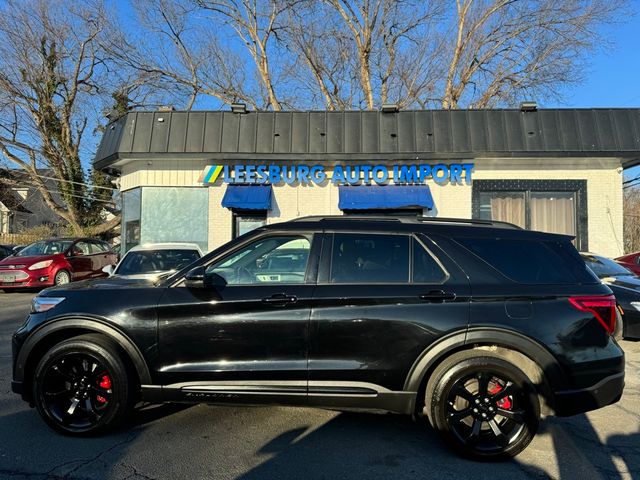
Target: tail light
603	308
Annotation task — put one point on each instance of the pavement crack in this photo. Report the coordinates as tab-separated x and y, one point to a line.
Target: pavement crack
88	461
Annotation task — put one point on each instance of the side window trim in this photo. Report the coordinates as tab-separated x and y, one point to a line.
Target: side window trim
447	275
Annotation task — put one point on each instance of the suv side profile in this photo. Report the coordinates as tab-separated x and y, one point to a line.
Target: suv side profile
479	327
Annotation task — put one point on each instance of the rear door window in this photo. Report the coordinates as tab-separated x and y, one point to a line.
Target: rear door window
532	262
369	258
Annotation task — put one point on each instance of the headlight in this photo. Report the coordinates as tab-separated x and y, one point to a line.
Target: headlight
39	265
43	304
636	305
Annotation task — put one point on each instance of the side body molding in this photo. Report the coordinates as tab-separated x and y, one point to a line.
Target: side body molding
484	336
85	323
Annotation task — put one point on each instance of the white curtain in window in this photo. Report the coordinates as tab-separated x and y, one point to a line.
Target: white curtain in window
553	212
505	208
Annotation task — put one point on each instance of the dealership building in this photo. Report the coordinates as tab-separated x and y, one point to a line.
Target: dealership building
207	176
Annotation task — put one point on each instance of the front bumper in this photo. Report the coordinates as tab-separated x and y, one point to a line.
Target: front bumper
26	279
606	392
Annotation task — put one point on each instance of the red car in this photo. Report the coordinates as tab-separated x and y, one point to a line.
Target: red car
55	262
631	261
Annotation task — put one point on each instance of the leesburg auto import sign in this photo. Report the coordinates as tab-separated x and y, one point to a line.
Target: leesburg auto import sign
454	173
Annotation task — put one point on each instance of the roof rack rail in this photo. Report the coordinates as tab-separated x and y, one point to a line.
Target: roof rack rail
322	218
474	221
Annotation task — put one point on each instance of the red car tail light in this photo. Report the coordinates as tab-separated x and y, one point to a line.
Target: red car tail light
603	308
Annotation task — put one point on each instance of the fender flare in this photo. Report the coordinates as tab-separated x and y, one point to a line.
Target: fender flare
86	323
484	336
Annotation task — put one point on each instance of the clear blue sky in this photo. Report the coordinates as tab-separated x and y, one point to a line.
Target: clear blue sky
613	79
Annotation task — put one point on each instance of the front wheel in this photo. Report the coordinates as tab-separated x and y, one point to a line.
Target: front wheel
484	407
62	278
81	386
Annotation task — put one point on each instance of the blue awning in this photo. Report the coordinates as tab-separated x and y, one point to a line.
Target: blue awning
247	197
384	197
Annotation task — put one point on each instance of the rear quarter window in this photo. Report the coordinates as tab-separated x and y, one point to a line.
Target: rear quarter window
532	262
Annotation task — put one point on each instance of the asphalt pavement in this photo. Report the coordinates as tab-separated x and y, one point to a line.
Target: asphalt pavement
219	442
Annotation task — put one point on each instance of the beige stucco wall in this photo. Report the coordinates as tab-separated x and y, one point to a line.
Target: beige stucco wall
604	193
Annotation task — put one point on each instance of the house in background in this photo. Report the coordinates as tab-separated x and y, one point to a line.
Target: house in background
21	204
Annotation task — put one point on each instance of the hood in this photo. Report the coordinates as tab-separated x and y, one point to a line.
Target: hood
109	283
13	260
627	281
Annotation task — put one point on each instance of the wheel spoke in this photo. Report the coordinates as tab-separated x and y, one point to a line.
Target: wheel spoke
64	375
500	437
483	383
74	404
57	394
100	391
475	431
461	391
459	415
509	389
515	415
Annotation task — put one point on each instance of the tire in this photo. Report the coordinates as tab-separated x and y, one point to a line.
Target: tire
466	401
62	277
81	386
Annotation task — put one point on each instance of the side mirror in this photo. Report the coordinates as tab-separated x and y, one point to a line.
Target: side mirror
109	269
196	278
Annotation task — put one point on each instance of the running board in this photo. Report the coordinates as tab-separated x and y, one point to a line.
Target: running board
340	395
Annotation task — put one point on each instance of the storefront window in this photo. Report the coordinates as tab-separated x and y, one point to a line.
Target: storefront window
553	212
175	214
504	207
535	205
130	219
244	223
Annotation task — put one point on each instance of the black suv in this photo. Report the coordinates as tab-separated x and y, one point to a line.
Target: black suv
480	327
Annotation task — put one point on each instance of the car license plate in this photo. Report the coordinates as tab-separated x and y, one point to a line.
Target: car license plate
7	279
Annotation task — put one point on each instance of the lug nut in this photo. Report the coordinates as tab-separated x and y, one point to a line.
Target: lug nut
484	415
475	410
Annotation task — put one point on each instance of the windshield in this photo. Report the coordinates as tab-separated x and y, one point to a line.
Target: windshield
604	267
48	247
155	261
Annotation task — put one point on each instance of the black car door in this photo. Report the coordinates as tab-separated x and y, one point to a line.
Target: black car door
252	331
381	300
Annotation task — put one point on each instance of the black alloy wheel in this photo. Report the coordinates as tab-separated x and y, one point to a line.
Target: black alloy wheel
485	407
81	386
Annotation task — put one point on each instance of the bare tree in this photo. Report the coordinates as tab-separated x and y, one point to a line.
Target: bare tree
632	219
51	71
502	49
344	54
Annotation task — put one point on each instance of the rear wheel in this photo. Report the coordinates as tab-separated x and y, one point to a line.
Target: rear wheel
81	386
484	407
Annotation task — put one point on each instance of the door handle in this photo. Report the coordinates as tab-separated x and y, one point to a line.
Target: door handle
280	299
437	296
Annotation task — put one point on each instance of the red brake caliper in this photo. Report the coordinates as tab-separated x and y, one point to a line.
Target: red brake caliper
503	403
105	382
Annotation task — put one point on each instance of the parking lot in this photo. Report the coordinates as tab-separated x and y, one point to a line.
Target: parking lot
199	442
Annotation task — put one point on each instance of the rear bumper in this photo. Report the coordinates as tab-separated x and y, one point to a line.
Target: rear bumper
606	392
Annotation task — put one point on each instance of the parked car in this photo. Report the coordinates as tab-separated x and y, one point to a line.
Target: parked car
630	261
55	262
625	286
151	260
6	251
478	327
17	248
